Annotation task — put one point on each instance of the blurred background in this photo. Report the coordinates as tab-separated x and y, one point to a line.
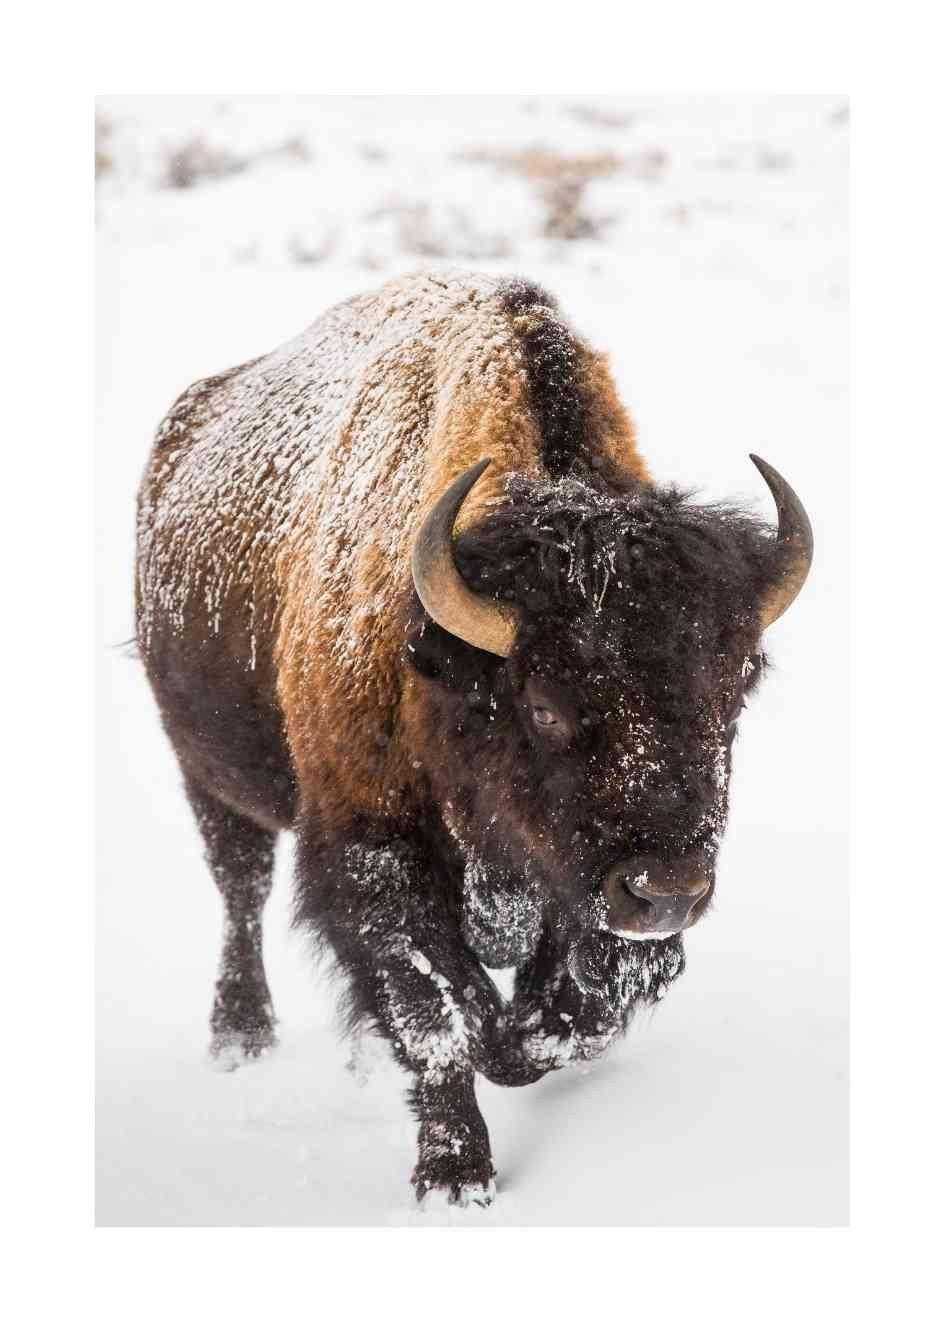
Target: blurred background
702	242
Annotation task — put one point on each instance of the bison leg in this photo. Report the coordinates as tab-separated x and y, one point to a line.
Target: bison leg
398	940
240	855
572	1001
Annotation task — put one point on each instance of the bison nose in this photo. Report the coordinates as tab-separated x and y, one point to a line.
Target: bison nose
647	898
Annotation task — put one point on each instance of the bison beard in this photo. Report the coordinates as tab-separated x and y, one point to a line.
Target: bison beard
454	809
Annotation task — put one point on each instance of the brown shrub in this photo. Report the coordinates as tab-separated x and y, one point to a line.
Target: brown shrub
193	161
104	161
544	163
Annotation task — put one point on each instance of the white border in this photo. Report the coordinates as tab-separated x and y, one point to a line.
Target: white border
881	54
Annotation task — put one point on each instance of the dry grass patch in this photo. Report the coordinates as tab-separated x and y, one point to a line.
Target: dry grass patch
104	161
561	179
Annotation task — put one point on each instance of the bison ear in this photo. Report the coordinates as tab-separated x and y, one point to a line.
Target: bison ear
438	655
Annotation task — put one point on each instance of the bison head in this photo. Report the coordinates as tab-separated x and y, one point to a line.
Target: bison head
585	656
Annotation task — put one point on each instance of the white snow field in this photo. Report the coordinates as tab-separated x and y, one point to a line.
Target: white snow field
710	260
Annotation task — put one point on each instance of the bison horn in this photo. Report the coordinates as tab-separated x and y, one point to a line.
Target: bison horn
794	531
440	586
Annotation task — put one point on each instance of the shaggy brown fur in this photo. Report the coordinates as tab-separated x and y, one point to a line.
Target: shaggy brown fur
277	514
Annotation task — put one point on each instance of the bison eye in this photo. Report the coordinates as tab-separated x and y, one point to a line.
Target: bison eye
546	716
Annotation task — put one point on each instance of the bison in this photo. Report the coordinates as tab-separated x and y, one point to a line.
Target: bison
406	588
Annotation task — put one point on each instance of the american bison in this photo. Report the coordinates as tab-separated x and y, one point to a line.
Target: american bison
406	588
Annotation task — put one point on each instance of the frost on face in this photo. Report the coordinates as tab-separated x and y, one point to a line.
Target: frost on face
619	971
602	980
613	976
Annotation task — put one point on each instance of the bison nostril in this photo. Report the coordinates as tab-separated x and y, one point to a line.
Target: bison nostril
647	894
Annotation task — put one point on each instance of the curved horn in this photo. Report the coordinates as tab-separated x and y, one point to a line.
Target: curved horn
440	586
793	529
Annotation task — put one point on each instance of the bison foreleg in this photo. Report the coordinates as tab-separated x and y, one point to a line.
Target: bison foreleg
240	854
410	976
572	1000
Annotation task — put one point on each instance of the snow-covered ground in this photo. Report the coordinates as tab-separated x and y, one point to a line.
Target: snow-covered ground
709	258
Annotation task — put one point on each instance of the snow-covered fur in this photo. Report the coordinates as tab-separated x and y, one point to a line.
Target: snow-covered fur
303	685
282	498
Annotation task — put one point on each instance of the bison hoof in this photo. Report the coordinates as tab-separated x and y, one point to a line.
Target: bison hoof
441	1183
230	1050
437	1197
